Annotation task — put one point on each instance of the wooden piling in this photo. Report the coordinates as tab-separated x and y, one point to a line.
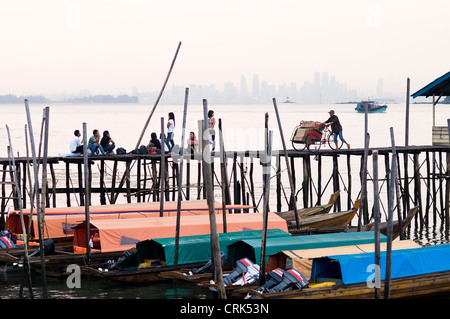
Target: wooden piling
288	168
157	100
22	222
39	215
266	193
162	178
387	279
215	248
224	177
86	194
376	214
180	180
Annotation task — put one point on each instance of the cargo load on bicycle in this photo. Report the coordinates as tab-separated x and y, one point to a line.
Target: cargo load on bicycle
307	132
311	135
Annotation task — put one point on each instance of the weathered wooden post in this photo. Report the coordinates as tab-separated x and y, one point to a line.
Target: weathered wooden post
447	186
159	97
288	167
86	194
215	248
364	210
180	180
22	222
162	169
36	190
387	279
407	114
266	187
376	214
224	177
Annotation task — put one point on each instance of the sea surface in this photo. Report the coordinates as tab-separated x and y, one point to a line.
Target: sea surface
243	127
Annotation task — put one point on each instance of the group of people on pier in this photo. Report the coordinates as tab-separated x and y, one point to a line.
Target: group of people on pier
103	146
106	145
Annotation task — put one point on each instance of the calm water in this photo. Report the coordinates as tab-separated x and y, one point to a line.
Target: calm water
243	130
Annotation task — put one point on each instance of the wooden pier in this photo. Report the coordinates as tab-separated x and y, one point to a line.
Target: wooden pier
423	171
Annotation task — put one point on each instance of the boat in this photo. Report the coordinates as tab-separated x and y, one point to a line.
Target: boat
395	224
251	248
60	221
289	216
120	235
154	259
369	227
324	220
372	107
250	251
302	259
417	272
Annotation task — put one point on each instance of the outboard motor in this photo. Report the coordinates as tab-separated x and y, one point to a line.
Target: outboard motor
209	265
49	248
291	279
128	259
250	276
241	268
5	239
274	277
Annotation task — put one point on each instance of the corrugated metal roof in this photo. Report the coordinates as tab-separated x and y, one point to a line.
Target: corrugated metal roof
440	86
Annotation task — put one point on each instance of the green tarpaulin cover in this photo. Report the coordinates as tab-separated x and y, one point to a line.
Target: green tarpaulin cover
196	249
251	248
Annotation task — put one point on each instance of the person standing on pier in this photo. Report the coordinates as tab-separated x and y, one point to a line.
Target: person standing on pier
211	124
76	144
336	128
170	127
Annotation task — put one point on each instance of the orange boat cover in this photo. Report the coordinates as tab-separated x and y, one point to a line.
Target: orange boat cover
59	221
120	235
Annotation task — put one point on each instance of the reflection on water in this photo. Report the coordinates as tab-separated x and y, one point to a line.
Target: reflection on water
95	288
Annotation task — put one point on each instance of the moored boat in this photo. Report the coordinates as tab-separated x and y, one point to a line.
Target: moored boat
324	220
155	258
371	106
289	216
120	235
416	272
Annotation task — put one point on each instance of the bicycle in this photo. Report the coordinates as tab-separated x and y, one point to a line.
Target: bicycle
311	135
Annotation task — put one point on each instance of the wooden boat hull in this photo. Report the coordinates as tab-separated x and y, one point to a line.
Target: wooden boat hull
143	275
395	225
338	219
56	265
325	220
289	216
408	287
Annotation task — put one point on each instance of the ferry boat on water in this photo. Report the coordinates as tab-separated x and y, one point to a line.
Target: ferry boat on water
373	107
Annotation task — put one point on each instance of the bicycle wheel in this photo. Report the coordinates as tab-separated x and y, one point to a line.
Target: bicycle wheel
298	146
331	144
314	147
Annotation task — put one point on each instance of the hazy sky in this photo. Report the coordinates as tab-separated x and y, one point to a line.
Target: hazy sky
111	46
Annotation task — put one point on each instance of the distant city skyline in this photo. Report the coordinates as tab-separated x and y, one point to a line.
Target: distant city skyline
322	88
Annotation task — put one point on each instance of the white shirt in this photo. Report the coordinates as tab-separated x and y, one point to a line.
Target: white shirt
74	143
171	126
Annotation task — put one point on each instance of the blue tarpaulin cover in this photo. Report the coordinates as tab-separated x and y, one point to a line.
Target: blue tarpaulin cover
405	262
